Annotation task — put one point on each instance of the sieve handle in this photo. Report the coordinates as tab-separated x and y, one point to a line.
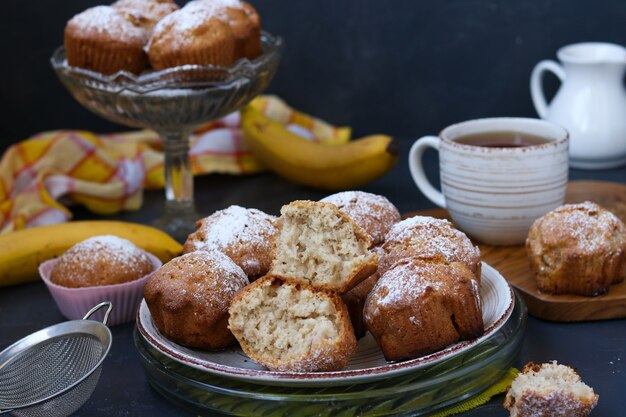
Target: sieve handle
98	307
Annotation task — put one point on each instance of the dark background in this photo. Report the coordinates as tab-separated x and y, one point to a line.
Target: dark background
402	67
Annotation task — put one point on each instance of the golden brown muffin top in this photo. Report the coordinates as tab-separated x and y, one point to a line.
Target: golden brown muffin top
146	13
412	279
253	15
243	234
196	19
208	279
232	225
374	213
586	227
239	21
101	260
428	238
105	23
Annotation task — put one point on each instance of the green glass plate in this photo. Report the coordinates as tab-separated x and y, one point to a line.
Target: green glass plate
417	393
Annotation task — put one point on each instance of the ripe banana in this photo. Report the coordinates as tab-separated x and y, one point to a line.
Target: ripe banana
329	167
22	251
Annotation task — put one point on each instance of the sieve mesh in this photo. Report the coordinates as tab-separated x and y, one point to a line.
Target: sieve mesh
48	368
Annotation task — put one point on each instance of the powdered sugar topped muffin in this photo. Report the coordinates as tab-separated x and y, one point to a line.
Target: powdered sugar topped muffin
245	24
105	40
189	297
428	239
374	213
577	249
196	34
131	35
101	260
419	307
244	235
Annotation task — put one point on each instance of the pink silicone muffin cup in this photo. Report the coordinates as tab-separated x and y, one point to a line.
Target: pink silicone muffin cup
74	303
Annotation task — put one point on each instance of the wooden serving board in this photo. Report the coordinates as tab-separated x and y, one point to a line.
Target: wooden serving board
512	263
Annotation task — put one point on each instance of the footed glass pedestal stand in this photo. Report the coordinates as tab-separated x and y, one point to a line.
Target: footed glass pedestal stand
173	102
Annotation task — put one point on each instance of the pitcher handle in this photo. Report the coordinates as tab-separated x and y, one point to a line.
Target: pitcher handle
536	89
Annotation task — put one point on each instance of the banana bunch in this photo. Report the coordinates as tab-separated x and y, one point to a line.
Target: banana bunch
22	251
328	167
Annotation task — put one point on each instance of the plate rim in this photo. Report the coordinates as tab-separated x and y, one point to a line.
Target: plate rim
342	376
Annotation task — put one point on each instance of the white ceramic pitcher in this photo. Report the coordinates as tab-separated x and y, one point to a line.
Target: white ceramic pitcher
590	104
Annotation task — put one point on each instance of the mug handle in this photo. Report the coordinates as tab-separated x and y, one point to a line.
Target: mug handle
536	89
417	169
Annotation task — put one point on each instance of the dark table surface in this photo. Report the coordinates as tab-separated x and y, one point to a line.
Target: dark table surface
597	349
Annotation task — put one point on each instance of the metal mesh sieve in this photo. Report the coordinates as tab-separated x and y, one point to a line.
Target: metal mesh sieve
54	371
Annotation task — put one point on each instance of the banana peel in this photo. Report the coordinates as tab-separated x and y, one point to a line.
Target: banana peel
22	251
328	167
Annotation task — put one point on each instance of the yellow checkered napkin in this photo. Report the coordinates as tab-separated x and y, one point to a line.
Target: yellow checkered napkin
107	173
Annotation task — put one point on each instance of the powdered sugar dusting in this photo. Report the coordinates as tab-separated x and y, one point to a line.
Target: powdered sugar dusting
587	226
107	248
208	277
216	7
146	12
109	22
101	260
232	225
374	213
428	238
407	282
194	14
245	235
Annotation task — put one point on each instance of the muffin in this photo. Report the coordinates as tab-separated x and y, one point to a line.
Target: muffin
577	249
101	260
419	307
428	239
245	24
289	326
549	390
145	13
319	245
196	34
189	296
101	268
244	235
105	40
374	213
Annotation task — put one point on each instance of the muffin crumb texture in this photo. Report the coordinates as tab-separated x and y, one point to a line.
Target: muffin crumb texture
549	390
292	327
319	245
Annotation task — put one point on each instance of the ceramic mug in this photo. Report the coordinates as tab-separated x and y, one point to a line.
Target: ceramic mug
495	193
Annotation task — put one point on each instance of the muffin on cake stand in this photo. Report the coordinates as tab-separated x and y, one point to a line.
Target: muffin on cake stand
173	102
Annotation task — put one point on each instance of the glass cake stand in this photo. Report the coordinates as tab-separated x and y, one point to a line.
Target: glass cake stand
173	102
418	393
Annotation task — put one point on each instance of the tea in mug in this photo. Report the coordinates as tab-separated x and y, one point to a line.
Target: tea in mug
502	139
